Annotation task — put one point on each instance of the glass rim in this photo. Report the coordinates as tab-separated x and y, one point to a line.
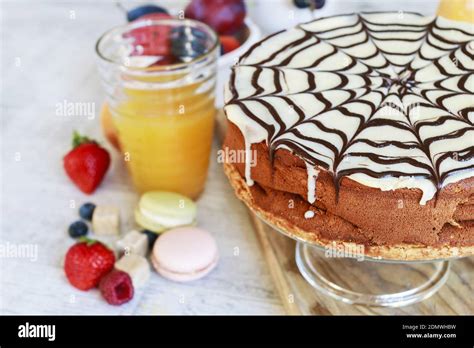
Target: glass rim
163	21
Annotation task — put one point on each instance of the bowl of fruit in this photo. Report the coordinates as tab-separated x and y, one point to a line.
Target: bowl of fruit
236	31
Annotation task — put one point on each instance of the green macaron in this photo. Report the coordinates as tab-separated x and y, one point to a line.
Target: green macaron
158	211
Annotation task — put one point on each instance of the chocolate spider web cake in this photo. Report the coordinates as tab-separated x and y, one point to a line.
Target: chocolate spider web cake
366	121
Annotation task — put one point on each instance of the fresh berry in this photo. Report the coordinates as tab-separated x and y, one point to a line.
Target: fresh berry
87	262
302	3
307	3
151	40
154	16
86	210
86	164
228	43
187	43
224	16
78	229
320	4
141	11
152	236
116	287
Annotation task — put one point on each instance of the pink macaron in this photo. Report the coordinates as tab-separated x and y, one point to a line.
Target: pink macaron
184	254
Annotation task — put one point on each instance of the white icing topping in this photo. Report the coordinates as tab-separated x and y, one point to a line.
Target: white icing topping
383	98
312	176
393	183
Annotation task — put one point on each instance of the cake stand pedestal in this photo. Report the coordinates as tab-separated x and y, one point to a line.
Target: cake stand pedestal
329	275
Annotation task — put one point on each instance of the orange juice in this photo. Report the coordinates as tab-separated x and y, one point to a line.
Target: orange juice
163	113
166	138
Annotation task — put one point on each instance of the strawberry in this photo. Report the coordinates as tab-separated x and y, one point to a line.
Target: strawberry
87	262
86	164
228	43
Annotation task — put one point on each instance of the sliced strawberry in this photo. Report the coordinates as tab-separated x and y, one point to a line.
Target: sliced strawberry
86	164
229	43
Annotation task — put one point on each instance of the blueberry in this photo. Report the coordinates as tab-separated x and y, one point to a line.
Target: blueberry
188	42
86	210
78	229
301	3
152	236
320	4
144	10
306	3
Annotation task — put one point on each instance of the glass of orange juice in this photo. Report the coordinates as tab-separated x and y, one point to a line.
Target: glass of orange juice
159	76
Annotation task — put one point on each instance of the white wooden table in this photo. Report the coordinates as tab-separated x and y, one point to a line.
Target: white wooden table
47	58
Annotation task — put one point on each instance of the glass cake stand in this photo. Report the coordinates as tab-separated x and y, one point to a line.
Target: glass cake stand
368	281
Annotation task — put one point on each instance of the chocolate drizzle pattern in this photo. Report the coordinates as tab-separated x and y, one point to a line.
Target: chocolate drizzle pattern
383	98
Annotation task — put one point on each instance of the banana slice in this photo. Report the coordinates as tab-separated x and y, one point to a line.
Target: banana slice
133	242
106	220
137	268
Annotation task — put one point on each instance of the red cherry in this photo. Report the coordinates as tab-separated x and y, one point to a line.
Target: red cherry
224	16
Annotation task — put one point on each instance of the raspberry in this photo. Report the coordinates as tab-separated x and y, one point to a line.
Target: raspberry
116	287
